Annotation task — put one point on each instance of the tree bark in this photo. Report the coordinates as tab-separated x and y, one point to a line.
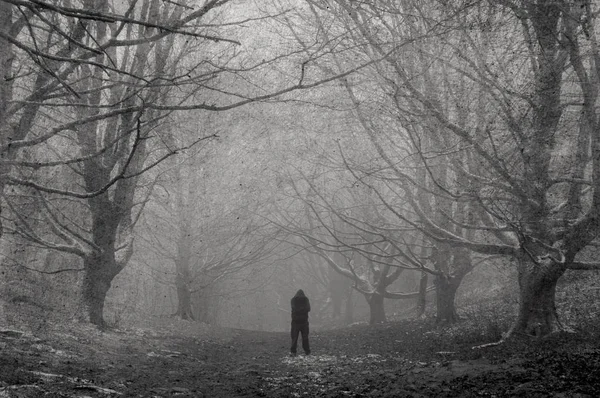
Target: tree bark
183	272
101	266
446	288
6	60
202	304
184	299
422	299
100	270
337	286
349	310
376	308
537	307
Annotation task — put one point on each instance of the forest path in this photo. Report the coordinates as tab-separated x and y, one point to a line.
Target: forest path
184	359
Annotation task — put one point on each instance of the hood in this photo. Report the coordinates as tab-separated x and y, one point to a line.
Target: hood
300	293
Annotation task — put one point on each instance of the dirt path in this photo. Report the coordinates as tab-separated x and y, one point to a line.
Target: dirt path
386	361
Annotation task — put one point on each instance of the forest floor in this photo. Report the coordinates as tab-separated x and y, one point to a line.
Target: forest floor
186	359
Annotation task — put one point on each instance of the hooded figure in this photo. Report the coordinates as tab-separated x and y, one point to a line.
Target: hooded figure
300	310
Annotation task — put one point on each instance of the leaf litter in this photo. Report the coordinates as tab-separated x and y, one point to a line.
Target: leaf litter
401	359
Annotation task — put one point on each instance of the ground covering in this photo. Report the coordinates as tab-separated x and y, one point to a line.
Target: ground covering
187	359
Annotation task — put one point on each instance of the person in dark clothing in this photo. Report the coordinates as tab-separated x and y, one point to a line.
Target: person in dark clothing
300	310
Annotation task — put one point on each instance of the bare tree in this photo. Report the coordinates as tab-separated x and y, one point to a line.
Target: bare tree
89	87
205	232
348	234
504	93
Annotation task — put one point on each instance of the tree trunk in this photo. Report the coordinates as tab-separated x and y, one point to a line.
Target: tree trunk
337	306
184	301
336	290
422	299
349	315
376	308
202	305
537	307
457	266
6	60
100	270
183	280
6	82
446	288
260	313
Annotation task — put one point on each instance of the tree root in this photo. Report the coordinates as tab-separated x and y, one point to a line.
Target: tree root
488	345
513	335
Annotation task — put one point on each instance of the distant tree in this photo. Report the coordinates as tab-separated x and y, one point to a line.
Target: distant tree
204	225
346	233
360	98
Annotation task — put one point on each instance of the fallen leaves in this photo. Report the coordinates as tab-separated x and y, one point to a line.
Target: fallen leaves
386	361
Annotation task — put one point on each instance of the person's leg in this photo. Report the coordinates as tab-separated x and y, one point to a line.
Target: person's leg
305	344
295	332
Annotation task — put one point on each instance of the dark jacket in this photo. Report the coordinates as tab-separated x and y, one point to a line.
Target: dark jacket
300	307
